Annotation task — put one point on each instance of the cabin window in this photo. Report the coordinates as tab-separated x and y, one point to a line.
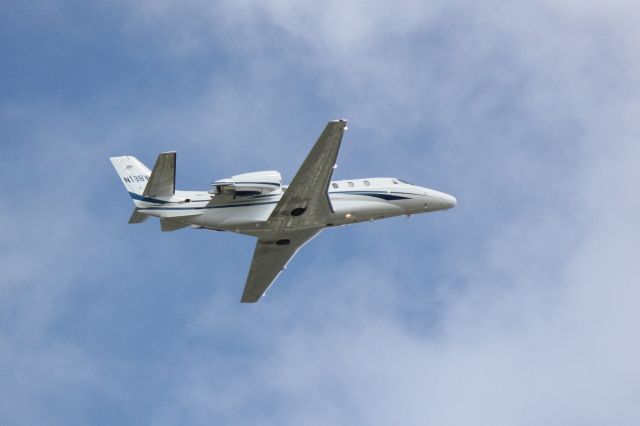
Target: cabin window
366	183
351	185
335	185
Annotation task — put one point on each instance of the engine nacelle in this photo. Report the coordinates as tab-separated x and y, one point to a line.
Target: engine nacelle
248	184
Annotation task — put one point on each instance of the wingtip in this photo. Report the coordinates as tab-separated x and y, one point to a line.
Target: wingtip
341	123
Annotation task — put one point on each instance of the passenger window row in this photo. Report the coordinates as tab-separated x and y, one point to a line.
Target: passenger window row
350	184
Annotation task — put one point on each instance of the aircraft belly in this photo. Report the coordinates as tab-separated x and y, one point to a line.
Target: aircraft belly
175	213
365	208
166	212
240	217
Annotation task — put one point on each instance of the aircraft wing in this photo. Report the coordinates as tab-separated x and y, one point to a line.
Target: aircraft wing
305	202
270	258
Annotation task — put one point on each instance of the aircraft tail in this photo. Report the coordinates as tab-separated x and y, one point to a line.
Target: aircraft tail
137	217
141	182
144	185
162	182
133	173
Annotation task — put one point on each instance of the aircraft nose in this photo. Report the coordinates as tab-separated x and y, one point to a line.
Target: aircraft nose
437	200
449	201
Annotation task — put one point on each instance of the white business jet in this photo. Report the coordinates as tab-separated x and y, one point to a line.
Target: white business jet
284	218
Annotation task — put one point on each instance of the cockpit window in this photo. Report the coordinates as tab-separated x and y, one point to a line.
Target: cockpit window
404	181
395	182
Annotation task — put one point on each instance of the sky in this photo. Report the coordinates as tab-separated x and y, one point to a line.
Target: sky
518	307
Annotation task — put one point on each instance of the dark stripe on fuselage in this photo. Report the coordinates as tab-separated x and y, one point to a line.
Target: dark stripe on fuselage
383	196
387	197
257	183
156	201
208	207
246	193
146	199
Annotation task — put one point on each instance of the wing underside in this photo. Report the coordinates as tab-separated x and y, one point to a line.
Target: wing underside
306	203
270	258
300	214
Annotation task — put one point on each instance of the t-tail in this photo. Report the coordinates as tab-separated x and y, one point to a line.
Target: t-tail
144	185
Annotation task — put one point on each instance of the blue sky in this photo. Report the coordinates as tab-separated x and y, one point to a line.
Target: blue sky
519	306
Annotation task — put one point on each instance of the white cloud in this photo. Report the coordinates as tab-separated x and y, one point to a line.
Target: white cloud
527	112
541	330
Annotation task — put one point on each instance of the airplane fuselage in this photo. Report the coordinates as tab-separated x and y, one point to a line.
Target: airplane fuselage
353	201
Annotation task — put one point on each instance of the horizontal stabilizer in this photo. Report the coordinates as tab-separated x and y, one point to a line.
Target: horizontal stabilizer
162	182
170	224
137	217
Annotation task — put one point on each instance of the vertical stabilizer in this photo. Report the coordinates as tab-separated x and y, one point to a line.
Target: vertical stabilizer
162	182
132	172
